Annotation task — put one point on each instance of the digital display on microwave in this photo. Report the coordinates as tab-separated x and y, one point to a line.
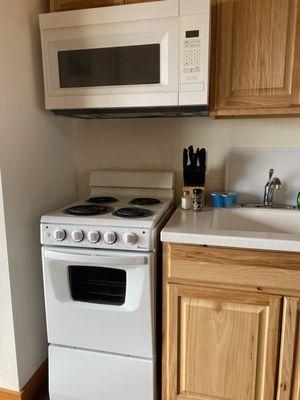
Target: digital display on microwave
110	66
192	34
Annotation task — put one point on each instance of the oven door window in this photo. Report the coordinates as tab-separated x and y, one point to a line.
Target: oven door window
111	66
97	285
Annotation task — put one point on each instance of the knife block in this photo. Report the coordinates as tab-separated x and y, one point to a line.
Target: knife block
190	190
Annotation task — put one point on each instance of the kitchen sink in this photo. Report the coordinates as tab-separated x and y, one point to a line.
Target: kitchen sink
273	206
257	219
265	228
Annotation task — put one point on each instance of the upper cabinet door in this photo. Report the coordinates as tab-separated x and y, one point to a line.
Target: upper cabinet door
66	5
220	344
139	1
289	366
256	57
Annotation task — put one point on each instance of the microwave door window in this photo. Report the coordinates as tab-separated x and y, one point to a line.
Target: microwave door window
110	66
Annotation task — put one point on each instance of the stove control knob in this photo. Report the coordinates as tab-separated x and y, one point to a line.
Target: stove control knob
77	236
110	237
93	236
129	238
59	235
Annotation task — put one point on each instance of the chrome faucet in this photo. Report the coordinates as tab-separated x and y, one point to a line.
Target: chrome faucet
271	186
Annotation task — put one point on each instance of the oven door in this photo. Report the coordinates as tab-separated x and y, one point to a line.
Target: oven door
100	300
112	65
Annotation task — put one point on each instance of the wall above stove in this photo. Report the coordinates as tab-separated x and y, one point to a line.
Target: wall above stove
158	143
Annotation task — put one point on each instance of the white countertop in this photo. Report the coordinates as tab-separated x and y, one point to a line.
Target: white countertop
239	227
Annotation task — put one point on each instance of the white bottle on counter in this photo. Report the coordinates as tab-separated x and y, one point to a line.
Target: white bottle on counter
186	200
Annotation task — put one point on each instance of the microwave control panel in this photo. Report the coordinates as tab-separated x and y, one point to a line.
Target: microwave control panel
191	57
194	53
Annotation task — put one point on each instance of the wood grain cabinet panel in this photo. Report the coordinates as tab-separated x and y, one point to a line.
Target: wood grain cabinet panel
254	270
67	5
139	1
256	67
221	344
289	365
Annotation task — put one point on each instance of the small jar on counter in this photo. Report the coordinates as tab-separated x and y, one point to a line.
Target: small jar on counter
197	199
224	199
186	201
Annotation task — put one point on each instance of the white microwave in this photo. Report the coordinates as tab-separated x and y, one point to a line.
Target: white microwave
146	59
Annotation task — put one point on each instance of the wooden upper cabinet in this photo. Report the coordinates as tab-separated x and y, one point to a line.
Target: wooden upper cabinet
139	1
220	344
255	57
289	364
67	5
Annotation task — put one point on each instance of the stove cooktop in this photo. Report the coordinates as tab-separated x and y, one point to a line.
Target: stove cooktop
111	211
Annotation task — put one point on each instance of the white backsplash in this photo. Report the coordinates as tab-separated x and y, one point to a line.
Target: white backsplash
247	171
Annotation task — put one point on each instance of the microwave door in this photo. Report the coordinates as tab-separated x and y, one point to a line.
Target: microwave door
132	64
110	66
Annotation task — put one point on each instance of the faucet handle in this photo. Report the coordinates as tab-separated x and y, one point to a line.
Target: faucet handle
271	172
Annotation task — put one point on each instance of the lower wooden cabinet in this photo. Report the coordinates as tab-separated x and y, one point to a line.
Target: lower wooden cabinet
228	341
289	364
222	344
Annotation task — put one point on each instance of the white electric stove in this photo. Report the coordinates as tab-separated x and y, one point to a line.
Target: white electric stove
101	271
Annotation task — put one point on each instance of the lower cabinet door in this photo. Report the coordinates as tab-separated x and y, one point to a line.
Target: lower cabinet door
66	5
220	345
289	364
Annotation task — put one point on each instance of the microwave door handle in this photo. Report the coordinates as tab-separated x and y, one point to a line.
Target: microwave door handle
100	260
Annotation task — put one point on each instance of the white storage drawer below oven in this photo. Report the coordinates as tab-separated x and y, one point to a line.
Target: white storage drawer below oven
90	375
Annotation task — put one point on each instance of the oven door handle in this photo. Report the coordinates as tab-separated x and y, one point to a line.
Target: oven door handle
99	260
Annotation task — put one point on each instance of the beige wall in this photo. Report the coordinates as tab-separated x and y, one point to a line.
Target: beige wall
158	143
8	356
38	173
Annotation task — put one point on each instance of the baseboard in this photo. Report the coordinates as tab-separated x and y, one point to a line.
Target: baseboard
35	383
32	387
